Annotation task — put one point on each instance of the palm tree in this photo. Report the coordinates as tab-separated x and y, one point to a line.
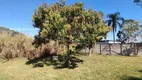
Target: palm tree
113	22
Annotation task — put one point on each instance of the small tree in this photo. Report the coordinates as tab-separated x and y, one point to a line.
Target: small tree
127	33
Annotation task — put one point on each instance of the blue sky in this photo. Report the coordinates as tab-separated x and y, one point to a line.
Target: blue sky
17	14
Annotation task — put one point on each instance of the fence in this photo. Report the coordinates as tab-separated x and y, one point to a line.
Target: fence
118	48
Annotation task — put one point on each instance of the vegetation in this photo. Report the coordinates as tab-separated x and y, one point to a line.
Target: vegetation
64	30
70	25
130	26
99	67
12	47
128	30
114	22
138	2
128	33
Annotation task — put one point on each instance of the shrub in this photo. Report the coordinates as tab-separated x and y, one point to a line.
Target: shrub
21	46
15	46
48	49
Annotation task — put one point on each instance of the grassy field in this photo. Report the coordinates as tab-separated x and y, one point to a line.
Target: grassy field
96	67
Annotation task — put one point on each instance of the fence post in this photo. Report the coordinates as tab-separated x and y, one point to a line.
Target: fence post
137	48
121	48
110	49
100	49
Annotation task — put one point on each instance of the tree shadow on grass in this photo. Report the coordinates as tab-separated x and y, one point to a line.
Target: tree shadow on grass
70	63
59	62
130	78
140	71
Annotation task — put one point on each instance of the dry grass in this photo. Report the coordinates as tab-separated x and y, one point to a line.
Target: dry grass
96	67
12	47
15	46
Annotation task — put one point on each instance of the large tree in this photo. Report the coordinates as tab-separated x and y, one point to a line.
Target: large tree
114	22
70	25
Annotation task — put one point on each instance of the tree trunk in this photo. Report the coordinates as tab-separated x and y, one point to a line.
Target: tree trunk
90	50
131	49
113	35
90	53
93	48
86	49
135	52
67	61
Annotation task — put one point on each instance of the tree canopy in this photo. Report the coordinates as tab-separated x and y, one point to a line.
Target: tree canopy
128	30
138	2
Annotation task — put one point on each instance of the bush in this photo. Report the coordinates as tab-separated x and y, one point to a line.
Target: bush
15	46
12	47
48	49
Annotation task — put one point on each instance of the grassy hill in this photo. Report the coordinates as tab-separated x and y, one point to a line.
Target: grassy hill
14	44
8	31
97	67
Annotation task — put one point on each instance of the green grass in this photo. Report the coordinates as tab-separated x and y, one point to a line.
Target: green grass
96	67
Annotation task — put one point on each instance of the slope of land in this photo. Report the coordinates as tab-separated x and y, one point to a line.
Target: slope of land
8	31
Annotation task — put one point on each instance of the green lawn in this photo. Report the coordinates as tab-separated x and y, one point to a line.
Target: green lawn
97	67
